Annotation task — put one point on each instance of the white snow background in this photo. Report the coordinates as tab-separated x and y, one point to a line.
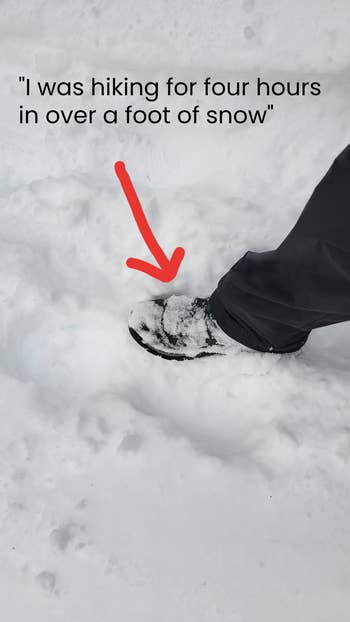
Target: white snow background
132	488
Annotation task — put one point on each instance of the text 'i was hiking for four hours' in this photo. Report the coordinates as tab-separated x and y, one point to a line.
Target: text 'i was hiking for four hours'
131	114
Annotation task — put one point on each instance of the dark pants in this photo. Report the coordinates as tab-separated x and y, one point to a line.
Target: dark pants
271	301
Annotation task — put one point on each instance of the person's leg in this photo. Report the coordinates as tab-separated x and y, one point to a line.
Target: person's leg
268	301
272	300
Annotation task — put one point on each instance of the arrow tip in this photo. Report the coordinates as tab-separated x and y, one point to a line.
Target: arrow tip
170	270
165	272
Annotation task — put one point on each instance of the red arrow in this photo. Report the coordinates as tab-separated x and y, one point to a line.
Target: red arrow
168	268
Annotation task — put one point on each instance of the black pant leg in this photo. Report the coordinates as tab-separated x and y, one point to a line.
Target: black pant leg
272	300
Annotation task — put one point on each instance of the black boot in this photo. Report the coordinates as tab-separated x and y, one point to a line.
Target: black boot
179	328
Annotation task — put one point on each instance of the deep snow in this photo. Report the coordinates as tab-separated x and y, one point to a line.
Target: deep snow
133	488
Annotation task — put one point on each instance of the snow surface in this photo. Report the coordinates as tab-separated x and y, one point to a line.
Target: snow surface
133	488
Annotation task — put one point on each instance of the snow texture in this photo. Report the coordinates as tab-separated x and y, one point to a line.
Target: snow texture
133	488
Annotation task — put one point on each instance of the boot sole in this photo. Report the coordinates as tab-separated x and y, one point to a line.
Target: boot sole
167	355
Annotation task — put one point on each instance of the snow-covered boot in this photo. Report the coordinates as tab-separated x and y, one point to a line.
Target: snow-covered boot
179	328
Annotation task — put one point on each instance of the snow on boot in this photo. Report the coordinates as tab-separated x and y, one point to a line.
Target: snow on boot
178	328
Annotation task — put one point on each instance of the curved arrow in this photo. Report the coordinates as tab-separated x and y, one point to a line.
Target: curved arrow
167	269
